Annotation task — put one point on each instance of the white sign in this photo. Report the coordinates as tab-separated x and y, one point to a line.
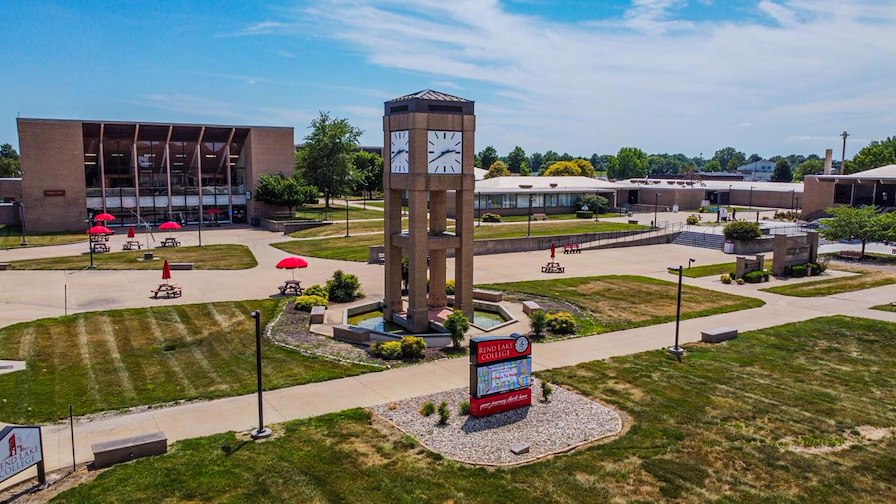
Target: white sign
20	448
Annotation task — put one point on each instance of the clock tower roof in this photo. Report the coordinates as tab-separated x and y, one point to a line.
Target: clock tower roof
429	101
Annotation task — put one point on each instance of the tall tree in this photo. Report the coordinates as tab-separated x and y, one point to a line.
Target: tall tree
10	165
725	155
632	164
325	159
488	156
524	169
782	172
368	168
864	223
550	157
563	169
280	190
535	161
516	158
736	162
808	167
875	155
753	158
498	169
713	166
585	167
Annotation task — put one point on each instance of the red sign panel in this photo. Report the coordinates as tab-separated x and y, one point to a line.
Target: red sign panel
54	192
499	403
499	348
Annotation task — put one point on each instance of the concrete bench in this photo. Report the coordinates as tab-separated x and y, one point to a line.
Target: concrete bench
539	216
5	266
718	335
351	334
116	451
487	295
531	306
180	266
633	221
317	314
849	254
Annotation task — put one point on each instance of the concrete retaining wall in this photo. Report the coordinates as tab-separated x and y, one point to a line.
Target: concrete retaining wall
287	227
764	244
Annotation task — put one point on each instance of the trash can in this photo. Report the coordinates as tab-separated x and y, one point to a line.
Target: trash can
254	222
147	256
728	248
674	208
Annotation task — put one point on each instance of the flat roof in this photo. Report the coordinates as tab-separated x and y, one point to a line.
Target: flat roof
711	185
887	172
149	123
530	184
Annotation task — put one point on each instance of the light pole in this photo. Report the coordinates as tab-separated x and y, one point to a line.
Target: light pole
843	152
751	198
261	432
676	350
199	209
22	223
656	199
90	223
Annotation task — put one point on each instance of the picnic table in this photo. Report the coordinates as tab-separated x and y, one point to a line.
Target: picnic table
553	267
99	247
170	241
572	248
291	287
97	238
132	245
167	290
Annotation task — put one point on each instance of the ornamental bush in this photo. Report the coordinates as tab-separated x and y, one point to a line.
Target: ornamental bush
427	408
754	277
726	279
740	281
444	414
538	321
412	347
343	287
561	322
491	217
797	271
693	220
546	390
464	408
449	287
457	325
317	290
305	302
742	231
816	268
389	350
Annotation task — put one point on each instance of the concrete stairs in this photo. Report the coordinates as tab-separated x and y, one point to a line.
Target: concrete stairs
701	239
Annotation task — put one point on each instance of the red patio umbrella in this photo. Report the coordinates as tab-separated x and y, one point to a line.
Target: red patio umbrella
166	271
213	211
99	230
104	217
552	250
169	226
292	263
131	233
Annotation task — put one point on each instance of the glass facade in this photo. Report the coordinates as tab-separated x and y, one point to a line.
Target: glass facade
151	173
498	201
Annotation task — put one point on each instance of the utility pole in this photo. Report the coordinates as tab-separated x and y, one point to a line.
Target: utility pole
843	152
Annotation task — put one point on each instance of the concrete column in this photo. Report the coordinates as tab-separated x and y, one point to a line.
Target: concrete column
463	256
437	263
418	309
393	253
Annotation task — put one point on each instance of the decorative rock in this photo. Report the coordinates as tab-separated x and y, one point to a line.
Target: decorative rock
519	448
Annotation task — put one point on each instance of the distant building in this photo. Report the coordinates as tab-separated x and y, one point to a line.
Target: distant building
871	187
757	171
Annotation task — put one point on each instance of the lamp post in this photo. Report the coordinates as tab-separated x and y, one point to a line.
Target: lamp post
22	223
261	432
199	209
676	350
751	198
656	199
90	223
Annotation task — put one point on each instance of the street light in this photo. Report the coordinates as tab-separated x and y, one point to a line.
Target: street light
199	209
22	222
261	432
656	198
751	198
676	350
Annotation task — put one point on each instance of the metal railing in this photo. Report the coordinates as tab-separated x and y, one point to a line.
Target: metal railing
665	228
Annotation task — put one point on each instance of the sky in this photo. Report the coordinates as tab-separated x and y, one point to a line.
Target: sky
767	77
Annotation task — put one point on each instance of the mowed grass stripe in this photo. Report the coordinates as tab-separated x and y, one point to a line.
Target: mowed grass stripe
168	358
243	339
86	362
140	357
178	313
26	344
108	333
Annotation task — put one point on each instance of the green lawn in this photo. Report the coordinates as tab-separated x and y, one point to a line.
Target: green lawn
886	307
731	423
110	360
338	229
617	302
377	204
336	212
355	248
11	237
207	257
706	270
551	217
831	286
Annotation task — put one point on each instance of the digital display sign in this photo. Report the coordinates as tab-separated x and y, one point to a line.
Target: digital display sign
503	376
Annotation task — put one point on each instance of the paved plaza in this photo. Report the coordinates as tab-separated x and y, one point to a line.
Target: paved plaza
30	295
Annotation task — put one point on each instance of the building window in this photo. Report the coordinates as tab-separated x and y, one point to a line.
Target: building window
843	193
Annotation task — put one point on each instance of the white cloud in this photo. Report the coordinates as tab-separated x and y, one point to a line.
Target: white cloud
649	78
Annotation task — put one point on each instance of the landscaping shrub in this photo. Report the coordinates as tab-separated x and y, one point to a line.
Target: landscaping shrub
412	347
561	322
726	279
538	321
742	230
491	217
343	287
797	271
546	391
740	281
693	219
449	287
463	408
457	325
584	215
595	203
444	414
755	277
317	290
427	408
305	302
816	268
389	350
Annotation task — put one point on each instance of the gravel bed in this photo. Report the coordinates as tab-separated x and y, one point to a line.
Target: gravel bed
565	422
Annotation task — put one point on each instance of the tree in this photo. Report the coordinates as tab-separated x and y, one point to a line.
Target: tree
516	159
585	167
457	325
875	155
535	162
325	159
736	162
713	166
280	190
524	169
808	167
632	164
754	158
782	172
864	223
488	156
10	165
563	169
725	155
368	168
497	169
550	157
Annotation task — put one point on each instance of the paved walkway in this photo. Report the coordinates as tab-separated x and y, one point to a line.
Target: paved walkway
19	301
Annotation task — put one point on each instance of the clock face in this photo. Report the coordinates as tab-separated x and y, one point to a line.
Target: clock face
521	344
444	152
399	152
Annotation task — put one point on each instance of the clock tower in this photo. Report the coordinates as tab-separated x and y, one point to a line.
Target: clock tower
428	153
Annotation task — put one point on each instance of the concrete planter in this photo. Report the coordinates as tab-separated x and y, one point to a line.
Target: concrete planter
757	246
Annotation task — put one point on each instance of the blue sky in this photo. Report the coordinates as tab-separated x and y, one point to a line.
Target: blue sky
770	76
